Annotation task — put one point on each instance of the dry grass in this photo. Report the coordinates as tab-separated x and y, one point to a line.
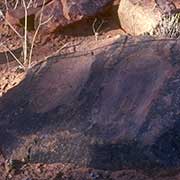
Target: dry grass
28	46
169	26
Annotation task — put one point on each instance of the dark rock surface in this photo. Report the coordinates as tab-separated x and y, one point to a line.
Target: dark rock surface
116	107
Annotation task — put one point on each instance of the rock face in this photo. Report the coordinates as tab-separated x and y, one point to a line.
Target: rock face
16	17
114	106
59	12
139	17
65	12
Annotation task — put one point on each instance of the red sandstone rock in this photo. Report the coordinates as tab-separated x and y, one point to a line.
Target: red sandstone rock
116	107
139	17
63	12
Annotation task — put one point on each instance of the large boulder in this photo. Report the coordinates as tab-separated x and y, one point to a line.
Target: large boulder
114	105
139	17
57	13
15	17
66	12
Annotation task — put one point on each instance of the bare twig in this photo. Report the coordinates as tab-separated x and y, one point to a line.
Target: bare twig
7	59
60	49
16	4
27	53
29	4
10	25
13	55
42	23
6	4
96	31
25	31
36	32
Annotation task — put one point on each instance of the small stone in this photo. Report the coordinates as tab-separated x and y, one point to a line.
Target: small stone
108	36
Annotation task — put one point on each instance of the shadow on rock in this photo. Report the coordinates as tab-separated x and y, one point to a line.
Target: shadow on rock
109	109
